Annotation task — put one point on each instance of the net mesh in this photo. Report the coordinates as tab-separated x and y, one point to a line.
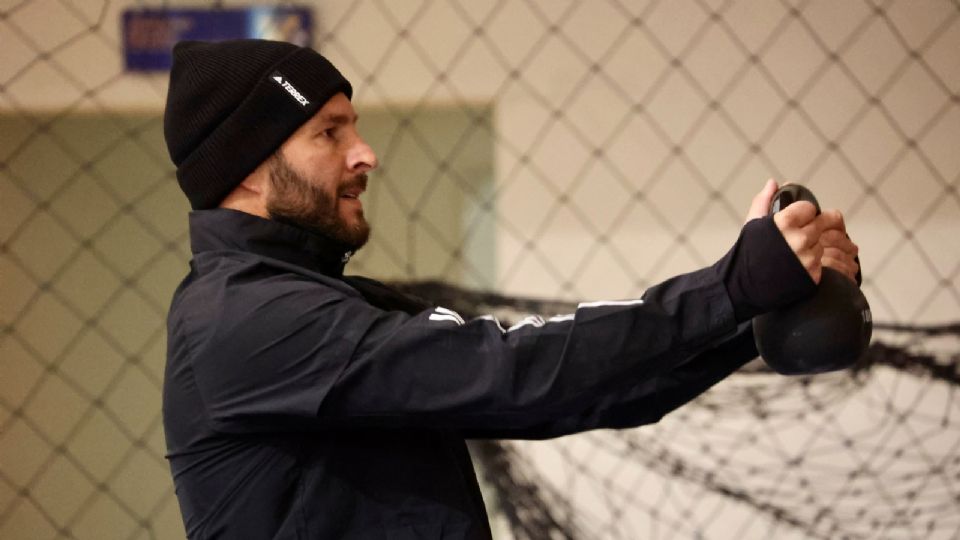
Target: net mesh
589	150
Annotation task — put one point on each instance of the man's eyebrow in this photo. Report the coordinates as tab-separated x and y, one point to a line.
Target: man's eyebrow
339	119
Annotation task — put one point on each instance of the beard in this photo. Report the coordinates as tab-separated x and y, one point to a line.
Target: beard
297	201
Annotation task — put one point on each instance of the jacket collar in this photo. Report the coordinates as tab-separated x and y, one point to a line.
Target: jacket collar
225	229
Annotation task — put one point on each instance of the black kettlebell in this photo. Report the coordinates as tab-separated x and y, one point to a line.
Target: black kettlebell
829	331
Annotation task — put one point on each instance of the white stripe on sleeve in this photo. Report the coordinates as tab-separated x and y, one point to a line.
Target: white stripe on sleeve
451	318
450	312
603	303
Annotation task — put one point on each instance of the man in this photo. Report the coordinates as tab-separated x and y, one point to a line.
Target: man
301	403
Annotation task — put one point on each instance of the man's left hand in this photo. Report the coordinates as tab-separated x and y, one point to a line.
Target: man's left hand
839	252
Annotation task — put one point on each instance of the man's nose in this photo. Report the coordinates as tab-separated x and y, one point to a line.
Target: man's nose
361	157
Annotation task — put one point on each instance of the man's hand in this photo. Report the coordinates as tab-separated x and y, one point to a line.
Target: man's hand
760	206
839	252
817	241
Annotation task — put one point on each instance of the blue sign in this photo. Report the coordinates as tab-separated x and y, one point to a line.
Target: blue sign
149	34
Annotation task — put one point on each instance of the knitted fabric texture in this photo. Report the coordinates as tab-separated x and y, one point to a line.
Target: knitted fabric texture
231	104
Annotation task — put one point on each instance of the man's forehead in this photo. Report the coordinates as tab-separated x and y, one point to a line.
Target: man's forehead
337	109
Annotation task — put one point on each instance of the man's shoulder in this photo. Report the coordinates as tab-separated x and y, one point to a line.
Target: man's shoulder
238	269
233	292
227	283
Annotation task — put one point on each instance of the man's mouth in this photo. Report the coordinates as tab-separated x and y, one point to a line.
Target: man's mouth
355	188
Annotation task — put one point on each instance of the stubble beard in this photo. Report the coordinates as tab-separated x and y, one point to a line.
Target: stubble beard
297	201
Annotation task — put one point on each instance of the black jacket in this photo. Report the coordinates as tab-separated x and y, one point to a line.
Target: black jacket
299	403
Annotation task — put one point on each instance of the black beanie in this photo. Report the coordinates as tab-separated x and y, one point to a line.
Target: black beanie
231	104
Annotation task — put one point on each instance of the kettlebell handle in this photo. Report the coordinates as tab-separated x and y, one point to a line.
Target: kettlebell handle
789	194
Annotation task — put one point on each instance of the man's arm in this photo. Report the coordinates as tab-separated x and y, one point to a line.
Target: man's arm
298	354
647	401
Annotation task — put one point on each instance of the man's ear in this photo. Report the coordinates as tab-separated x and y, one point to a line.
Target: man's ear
252	193
252	186
258	181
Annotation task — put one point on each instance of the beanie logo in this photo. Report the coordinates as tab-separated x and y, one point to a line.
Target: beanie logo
290	89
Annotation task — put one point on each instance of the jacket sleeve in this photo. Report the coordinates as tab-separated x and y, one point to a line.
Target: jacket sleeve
284	352
645	401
